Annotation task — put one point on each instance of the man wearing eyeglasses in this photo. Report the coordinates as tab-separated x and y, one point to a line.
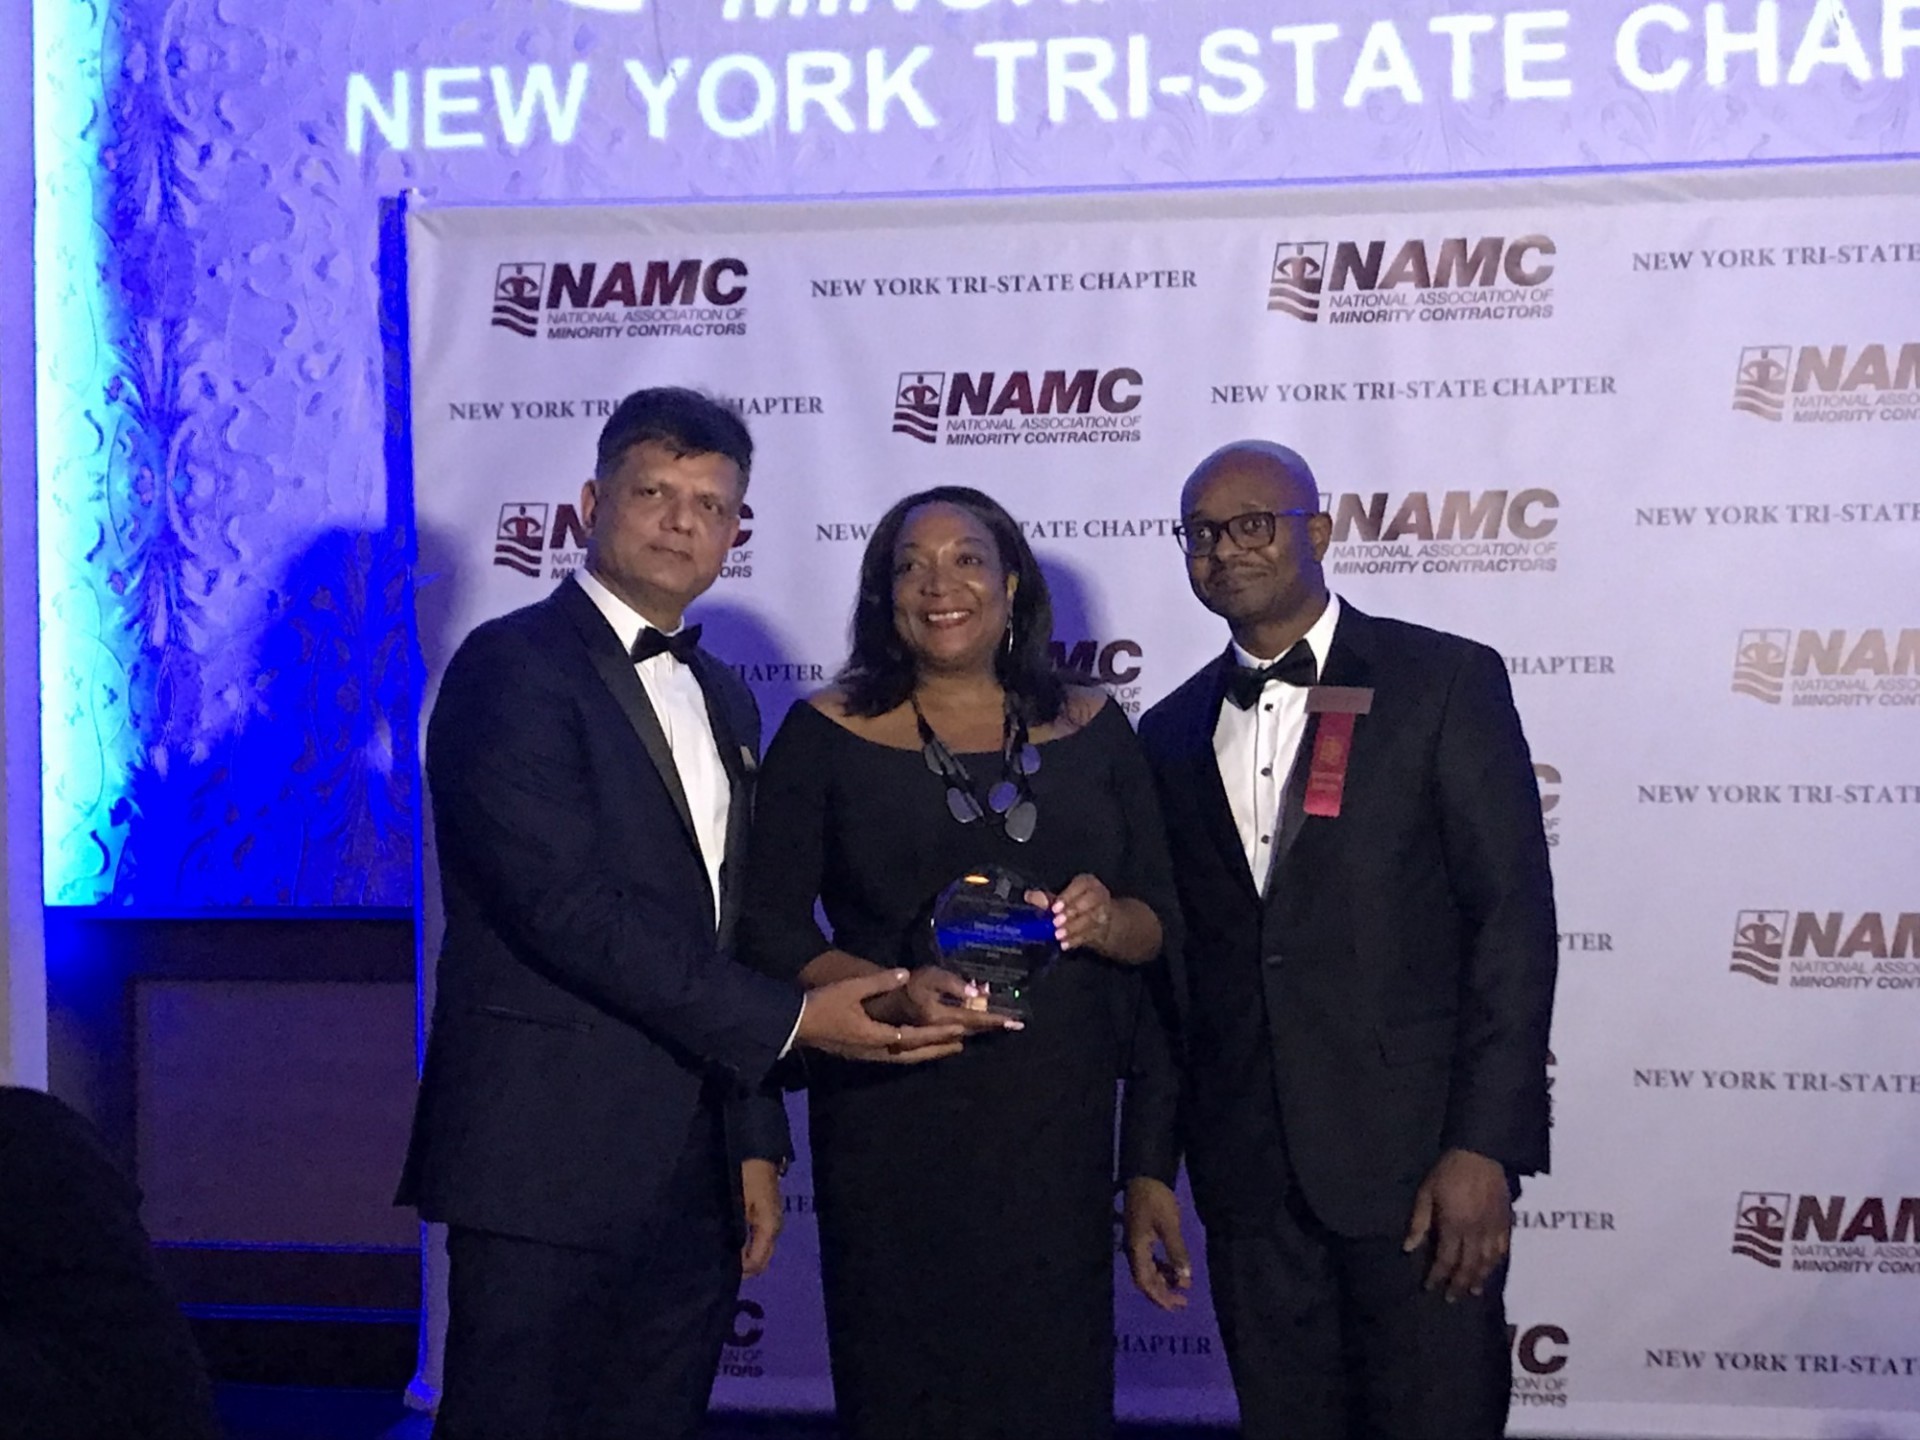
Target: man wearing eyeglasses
1356	1073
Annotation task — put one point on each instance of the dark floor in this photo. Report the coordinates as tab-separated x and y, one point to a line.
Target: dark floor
269	1412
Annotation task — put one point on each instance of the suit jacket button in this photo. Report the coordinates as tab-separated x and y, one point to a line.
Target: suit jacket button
1272	962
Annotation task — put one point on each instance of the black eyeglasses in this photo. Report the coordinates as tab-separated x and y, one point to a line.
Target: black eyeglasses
1249	531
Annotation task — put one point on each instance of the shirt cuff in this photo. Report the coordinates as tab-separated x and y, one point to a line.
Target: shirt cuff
794	1034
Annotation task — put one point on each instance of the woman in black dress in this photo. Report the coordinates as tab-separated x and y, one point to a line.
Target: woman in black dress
965	1206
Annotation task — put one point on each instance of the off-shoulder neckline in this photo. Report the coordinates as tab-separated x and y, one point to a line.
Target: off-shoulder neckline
1107	703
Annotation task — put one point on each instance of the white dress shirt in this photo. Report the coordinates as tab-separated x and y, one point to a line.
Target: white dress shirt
1256	748
681	705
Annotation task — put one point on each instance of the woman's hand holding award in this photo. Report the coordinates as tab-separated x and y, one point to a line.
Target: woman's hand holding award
987	932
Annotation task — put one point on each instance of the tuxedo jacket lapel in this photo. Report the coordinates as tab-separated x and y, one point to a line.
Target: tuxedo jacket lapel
616	670
1210	791
1346	666
734	756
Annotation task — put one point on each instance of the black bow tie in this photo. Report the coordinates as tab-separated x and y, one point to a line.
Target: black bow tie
681	644
1296	667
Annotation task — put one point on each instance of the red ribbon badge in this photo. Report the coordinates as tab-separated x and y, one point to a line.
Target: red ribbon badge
1338	707
1327	775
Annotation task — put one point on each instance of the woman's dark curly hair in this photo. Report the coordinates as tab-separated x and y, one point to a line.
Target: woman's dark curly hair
879	674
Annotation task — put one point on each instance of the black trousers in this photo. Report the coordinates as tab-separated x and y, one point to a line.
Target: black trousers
1333	1338
550	1343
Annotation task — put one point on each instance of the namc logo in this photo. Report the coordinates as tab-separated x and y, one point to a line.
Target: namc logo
1299	268
549	541
517	290
1837	669
1760	664
916	405
520	539
743	1356
739	561
749	1325
1829	384
1760	385
1541	1354
1760	1226
1115	664
1112	662
643	299
1018	407
1450	532
1846	950
1760	944
1356	282
1867	1236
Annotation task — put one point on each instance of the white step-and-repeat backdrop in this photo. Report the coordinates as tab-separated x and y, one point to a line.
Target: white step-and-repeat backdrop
1657	439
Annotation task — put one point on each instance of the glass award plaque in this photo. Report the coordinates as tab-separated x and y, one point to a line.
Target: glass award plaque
985	931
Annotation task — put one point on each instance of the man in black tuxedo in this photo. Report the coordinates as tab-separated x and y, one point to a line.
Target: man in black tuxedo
1358	1016
594	1120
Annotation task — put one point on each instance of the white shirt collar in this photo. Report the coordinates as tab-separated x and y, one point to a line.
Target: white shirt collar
1319	638
626	621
